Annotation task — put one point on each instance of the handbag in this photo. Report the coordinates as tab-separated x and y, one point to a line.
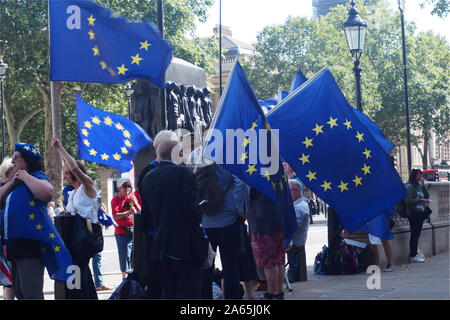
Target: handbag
427	212
87	238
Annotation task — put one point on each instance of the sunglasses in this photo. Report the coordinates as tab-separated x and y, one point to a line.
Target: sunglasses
126	186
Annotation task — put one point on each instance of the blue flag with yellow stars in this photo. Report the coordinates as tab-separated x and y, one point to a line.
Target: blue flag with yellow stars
335	153
243	143
298	80
107	138
89	44
27	218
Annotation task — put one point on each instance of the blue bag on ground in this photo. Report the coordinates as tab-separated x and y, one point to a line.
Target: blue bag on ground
129	289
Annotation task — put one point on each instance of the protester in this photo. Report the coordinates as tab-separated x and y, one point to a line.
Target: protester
29	184
374	243
299	237
82	200
224	231
124	205
146	232
51	210
266	227
169	192
415	201
97	261
6	174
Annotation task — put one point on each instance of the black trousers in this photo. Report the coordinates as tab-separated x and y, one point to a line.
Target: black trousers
180	279
416	219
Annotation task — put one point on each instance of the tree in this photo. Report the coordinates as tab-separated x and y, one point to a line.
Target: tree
440	7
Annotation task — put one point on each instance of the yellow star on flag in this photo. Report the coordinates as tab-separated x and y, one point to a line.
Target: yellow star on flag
281	185
96	120
246	142
348	124
326	185
26	148
91	35
92	152
136	59
367	153
96	51
122	69
366	169
359	136
274	185
103	65
108	121
318	129
84	132
34	151
105	156
304	158
357	181
32	203
117	156
266	175
31	216
91	20
145	45
86	142
251	169
87	124
124	150
128	143
52	235
126	134
39	227
311	175
343	186
119	126
57	248
308	142
254	125
243	157
332	122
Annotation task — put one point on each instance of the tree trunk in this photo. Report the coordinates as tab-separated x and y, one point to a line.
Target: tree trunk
53	161
426	140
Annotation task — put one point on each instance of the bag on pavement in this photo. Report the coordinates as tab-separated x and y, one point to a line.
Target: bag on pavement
129	289
346	259
323	264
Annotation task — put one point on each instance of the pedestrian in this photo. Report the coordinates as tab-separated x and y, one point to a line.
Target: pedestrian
124	205
415	200
82	200
223	228
51	210
169	192
299	237
6	174
149	277
31	186
374	243
266	224
97	260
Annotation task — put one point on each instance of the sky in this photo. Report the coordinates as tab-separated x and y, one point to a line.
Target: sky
248	17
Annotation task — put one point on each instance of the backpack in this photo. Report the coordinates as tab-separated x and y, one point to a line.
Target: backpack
346	259
323	264
129	289
209	188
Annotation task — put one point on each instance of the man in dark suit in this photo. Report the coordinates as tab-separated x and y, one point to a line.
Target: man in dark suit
169	192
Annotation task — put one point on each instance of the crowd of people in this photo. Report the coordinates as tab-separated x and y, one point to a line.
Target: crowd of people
177	232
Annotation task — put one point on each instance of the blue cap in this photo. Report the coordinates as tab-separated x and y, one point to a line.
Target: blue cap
28	149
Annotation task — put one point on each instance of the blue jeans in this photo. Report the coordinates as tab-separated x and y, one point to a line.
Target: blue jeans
96	269
125	248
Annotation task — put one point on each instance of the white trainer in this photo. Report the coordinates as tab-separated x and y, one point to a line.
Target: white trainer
417	258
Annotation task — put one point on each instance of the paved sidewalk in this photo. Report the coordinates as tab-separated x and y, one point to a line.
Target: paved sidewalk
424	281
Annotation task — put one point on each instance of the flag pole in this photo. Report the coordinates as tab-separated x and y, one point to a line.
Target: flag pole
52	90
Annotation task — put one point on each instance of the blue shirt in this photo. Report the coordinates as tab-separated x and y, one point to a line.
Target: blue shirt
227	213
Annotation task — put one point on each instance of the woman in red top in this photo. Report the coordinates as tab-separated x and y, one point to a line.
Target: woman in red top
124	205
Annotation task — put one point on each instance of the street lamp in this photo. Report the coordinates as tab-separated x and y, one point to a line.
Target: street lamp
128	92
355	30
401	7
3	68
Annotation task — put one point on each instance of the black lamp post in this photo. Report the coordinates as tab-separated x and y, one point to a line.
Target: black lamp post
355	30
401	7
128	93
3	68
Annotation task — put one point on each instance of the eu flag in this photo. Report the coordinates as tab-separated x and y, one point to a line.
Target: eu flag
335	153
249	151
107	138
89	44
26	217
298	80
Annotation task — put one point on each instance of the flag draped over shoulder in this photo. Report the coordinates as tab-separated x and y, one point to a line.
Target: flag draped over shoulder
27	218
89	44
241	142
335	153
107	138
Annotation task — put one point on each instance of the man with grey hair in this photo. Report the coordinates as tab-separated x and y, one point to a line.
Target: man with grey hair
299	237
169	192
